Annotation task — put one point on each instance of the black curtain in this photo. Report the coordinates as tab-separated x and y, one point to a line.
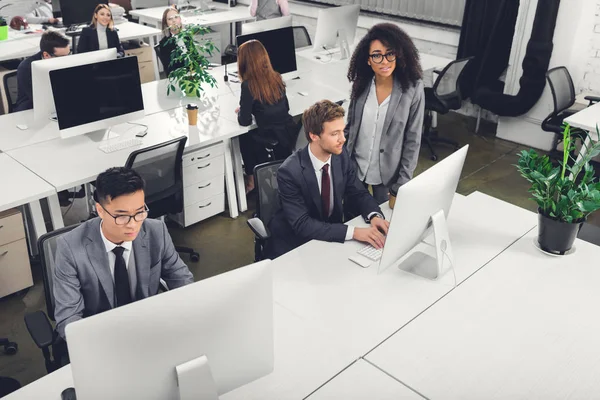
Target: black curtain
487	32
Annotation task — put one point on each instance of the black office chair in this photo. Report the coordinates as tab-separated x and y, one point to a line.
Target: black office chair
9	85
563	95
162	170
265	180
38	323
301	37
441	98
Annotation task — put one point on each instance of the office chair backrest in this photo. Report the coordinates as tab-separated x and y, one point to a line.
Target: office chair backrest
446	85
10	89
301	37
561	85
161	168
265	181
157	51
47	251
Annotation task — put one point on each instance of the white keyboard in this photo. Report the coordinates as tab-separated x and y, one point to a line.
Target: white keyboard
370	252
120	145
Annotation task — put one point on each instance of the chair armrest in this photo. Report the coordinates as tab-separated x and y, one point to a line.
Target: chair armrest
592	99
259	228
40	329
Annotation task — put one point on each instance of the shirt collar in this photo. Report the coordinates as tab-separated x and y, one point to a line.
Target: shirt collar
317	164
110	245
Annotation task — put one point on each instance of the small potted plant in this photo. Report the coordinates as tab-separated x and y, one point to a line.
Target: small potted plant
191	55
3	29
565	194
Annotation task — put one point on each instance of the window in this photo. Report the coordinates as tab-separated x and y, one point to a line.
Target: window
448	12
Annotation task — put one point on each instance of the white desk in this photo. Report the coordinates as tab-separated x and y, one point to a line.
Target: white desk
524	327
20	187
220	16
587	119
361	381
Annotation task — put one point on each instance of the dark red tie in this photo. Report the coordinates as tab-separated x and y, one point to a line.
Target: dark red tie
325	190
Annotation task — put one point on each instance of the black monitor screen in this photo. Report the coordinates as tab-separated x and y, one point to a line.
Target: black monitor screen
280	46
95	92
78	11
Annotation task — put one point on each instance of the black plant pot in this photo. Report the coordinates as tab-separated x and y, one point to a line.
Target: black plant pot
556	237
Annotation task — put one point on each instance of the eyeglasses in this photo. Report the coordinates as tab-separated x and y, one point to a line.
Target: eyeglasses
54	55
173	18
377	58
125	219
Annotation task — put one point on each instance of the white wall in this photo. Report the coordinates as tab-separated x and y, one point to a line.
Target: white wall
590	78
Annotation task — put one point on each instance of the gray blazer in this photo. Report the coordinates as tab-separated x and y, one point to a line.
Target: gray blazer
402	129
83	284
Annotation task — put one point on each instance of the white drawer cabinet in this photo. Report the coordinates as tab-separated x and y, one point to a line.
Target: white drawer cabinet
203	185
15	270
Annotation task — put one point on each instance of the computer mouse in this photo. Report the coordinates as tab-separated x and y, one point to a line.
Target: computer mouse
68	394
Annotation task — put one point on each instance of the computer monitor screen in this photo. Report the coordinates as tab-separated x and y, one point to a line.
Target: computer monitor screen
43	102
78	11
112	94
416	202
333	21
267	25
132	352
279	43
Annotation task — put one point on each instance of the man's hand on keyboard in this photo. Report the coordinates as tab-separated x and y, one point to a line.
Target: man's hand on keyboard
381	224
369	235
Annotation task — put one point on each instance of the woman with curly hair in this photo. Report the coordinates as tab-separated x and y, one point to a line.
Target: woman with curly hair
385	116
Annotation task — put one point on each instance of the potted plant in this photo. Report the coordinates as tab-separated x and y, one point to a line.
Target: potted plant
565	194
3	29
191	55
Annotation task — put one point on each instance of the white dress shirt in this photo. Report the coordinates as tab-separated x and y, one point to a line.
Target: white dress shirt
318	167
366	151
127	255
40	12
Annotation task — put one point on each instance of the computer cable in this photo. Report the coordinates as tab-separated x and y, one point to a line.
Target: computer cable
451	265
330	55
141	134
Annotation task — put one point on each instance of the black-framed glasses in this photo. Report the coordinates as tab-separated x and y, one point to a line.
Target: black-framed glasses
124	219
377	58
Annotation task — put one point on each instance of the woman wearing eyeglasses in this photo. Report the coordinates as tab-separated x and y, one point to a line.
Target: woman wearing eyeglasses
101	34
171	25
385	116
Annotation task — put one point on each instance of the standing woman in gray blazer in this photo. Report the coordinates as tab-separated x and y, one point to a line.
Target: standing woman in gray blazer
385	116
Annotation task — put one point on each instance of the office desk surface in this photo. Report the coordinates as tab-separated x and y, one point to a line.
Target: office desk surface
221	15
586	119
361	307
524	327
65	163
20	185
361	381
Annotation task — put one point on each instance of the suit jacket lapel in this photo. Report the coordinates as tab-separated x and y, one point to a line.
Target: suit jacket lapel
95	40
142	262
308	172
99	260
338	183
358	108
391	111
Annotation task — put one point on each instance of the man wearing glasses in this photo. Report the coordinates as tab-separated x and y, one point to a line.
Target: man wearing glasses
52	44
115	259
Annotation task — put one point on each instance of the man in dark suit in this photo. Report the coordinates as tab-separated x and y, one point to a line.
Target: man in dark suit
52	44
312	184
117	258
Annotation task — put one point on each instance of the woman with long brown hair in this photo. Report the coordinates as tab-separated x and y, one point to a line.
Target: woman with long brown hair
100	34
263	95
171	25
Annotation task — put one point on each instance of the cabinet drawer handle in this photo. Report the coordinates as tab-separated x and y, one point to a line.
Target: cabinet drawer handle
204	166
203	157
205	205
3	254
205	186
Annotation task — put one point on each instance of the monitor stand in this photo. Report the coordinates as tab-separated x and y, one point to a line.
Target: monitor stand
195	380
433	256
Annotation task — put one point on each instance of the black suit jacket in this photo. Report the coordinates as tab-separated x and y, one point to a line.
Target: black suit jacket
165	49
88	41
301	218
24	83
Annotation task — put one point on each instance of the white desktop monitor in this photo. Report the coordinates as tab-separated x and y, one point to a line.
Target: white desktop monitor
94	97
43	102
267	25
417	201
332	21
134	351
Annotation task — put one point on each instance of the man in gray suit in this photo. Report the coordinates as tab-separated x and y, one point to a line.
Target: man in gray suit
117	258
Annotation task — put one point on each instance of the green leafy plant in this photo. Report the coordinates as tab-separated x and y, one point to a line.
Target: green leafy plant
190	55
568	192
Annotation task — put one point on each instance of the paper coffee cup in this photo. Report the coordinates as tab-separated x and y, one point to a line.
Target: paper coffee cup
192	112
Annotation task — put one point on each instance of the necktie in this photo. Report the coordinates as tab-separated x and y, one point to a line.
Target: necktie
325	190
122	288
